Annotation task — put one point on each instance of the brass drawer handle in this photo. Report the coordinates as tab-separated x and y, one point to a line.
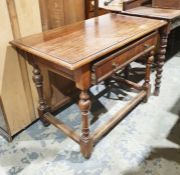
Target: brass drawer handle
146	46
114	65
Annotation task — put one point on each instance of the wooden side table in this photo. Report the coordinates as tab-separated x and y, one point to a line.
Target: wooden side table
89	52
173	18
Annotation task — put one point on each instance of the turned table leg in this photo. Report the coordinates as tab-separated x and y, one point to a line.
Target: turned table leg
160	61
147	85
43	107
86	144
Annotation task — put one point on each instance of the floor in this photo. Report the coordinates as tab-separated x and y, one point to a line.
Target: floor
146	142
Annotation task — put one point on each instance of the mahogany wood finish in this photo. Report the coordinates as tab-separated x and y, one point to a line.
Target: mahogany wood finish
73	51
174	4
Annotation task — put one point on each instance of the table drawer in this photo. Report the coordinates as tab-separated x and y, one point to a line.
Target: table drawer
110	64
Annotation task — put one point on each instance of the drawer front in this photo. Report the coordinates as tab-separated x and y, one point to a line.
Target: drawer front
110	64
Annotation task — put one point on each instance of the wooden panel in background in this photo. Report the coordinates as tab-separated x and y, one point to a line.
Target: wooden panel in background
28	15
12	91
17	18
56	13
52	13
22	63
74	10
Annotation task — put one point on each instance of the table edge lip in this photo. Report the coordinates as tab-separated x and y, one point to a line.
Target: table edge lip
130	12
78	64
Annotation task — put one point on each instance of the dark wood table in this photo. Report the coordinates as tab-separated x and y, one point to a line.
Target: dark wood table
89	52
172	17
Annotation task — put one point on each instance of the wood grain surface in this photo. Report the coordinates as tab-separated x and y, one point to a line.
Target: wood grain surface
78	44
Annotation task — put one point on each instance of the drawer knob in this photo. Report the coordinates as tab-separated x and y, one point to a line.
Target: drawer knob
114	65
146	46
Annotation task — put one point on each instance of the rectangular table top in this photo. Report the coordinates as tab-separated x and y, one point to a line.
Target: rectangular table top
159	13
78	44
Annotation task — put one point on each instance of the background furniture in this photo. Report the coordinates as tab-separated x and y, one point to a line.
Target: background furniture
174	4
129	4
170	15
